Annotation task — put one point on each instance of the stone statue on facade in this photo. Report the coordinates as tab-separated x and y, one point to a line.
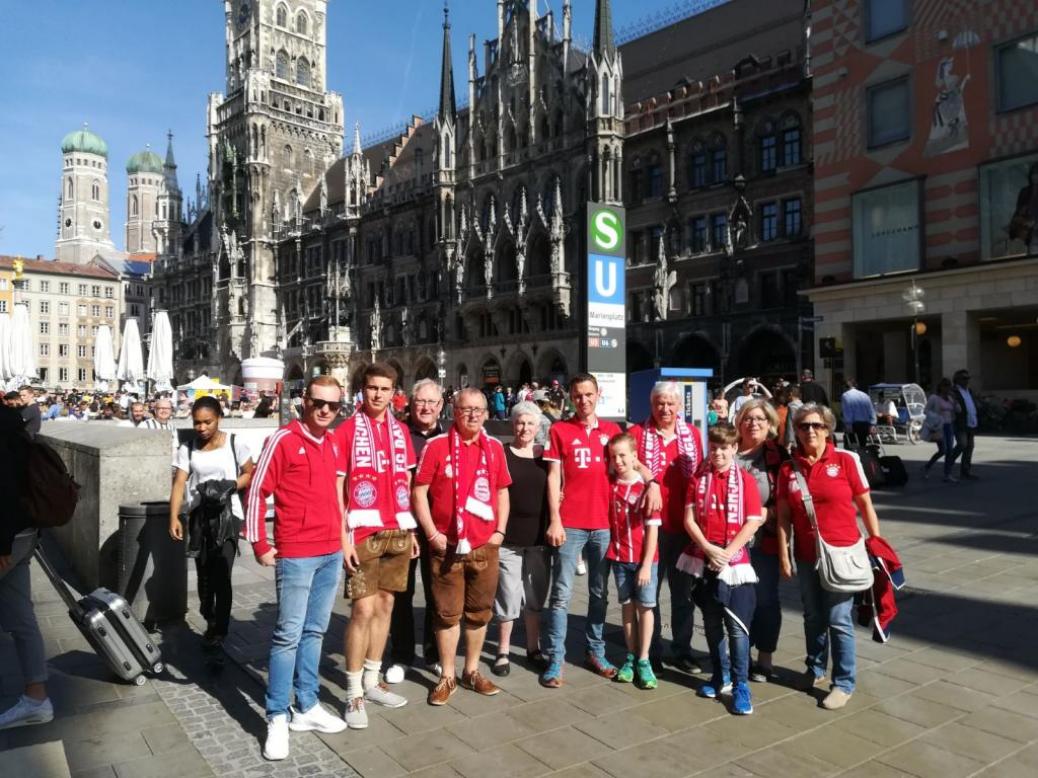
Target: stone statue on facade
376	328
660	284
324	197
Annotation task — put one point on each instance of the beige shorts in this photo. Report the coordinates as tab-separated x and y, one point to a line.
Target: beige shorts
384	563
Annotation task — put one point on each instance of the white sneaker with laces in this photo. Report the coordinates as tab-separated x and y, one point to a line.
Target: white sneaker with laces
395	673
27	711
276	747
316	719
380	695
581	568
356	715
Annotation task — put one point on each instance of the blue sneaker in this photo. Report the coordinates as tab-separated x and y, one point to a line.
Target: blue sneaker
551	678
714	689
742	705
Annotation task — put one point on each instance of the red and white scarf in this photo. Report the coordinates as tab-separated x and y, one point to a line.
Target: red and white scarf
481	490
365	475
650	452
693	558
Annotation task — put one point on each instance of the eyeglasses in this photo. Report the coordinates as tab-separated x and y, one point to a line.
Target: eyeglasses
320	405
472	412
425	403
817	426
755	419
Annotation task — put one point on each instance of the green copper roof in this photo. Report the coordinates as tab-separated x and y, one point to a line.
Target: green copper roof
84	140
146	161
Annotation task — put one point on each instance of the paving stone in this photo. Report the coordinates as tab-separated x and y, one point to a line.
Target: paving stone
548	714
907	670
659	759
874	769
428	749
416	718
98	749
494	729
876	683
436	771
990	683
1002	722
918	711
621	729
106	771
881	728
785	759
41	760
923	759
751	731
837	746
945	659
973	743
1020	702
727	771
381	733
581	771
186	762
164	738
679	712
954	696
564	747
601	698
502	760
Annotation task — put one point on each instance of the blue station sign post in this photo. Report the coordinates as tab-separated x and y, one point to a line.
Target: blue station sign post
606	301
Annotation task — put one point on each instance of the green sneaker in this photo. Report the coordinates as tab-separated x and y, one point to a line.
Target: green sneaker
626	673
646	677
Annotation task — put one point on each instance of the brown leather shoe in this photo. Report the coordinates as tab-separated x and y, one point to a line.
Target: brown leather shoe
479	684
443	691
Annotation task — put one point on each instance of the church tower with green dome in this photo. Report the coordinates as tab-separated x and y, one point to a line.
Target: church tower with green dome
153	202
83	215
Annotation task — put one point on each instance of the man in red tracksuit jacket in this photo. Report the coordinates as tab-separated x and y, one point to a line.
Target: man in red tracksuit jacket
299	467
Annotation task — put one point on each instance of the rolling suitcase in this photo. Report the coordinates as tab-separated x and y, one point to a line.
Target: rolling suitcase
107	622
894	471
869	456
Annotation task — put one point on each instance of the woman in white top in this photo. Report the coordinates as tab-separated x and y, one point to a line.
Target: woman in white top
202	464
940	419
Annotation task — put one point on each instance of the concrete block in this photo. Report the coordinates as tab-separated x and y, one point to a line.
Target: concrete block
42	760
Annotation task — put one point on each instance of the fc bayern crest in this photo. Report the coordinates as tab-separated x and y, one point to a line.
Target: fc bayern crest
482	489
364	494
603	439
403	497
832	471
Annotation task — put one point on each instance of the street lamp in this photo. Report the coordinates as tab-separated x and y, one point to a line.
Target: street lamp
913	297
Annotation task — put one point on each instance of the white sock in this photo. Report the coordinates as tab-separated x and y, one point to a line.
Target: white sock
371	668
354	689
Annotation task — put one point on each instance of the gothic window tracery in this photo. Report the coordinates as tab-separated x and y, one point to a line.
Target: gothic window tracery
282	64
282	16
302	23
95	191
303	72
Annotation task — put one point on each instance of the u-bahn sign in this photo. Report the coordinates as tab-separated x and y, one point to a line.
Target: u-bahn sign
607	307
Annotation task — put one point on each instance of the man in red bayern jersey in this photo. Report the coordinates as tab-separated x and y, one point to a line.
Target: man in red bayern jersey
376	495
578	505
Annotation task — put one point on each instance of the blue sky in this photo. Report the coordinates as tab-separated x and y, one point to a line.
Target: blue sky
134	69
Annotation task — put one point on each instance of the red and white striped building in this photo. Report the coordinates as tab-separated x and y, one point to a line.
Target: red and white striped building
925	141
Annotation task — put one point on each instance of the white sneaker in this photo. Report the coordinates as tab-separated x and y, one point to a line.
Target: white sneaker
395	673
276	747
581	568
27	711
356	715
317	719
380	695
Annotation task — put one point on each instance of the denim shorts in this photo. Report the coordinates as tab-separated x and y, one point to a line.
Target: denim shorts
625	574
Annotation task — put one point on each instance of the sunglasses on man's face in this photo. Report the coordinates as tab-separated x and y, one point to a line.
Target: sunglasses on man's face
817	426
333	406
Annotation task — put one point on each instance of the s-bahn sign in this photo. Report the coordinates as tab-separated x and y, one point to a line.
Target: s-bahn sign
606	300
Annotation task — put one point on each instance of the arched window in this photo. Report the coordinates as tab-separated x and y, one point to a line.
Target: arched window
446	152
303	72
156	207
282	16
605	94
718	159
281	66
791	148
288	156
134	205
70	190
95	191
301	23
308	162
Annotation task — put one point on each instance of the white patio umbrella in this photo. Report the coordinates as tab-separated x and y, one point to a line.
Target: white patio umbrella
22	356
160	357
5	345
131	359
104	358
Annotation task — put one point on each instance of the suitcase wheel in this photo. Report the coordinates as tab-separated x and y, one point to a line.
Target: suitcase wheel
140	680
157	668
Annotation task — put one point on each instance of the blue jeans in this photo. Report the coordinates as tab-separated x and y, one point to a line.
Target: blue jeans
828	623
767	617
729	660
593	543
682	612
306	590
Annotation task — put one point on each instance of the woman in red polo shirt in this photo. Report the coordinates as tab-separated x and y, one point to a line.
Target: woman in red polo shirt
837	484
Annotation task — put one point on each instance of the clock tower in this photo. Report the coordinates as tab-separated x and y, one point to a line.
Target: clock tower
271	137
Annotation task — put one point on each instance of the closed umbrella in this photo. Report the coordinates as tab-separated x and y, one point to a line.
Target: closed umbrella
160	357
5	345
131	359
22	356
104	358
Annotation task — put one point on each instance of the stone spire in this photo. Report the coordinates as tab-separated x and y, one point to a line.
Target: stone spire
603	42
448	106
356	139
170	161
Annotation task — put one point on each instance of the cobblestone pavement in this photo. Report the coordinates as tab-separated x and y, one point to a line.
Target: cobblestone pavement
955	691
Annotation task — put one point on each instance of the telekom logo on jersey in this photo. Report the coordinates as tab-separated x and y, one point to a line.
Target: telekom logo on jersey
583	457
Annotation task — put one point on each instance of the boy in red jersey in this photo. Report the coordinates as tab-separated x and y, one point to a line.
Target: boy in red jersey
633	557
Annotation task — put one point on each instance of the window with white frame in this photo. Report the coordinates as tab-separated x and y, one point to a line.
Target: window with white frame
889	113
63	309
63	329
1016	73
44	307
81	351
63	287
44	286
63	374
887	230
885	17
45	328
45	349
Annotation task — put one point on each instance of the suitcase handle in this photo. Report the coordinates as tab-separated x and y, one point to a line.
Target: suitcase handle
63	589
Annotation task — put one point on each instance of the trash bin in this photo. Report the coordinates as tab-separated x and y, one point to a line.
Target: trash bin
152	566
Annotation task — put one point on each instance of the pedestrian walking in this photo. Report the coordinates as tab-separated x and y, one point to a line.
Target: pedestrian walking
966	422
299	467
859	415
211	470
941	410
461	500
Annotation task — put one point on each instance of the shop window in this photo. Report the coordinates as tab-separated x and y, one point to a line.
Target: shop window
887	234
